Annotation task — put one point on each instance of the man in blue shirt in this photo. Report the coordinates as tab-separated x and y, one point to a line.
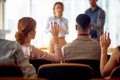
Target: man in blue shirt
97	16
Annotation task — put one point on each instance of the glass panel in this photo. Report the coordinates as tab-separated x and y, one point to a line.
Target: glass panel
40	10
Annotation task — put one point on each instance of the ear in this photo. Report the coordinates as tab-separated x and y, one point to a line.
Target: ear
89	26
76	27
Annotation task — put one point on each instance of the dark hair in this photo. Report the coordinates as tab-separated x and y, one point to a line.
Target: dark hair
58	3
25	25
83	20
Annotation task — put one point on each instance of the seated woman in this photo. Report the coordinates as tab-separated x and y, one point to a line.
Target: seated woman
106	66
26	32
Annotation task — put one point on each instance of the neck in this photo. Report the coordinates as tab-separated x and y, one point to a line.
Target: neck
58	16
27	40
93	8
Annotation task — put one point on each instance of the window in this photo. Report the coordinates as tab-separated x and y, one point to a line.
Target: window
40	10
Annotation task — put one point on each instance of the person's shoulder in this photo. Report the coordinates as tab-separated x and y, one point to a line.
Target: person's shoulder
87	10
101	10
95	42
66	45
70	44
5	41
9	43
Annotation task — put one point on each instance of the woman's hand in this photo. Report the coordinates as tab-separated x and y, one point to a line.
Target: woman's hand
105	41
54	29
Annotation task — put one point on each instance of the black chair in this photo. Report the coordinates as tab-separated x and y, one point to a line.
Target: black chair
10	70
38	62
95	65
65	71
115	72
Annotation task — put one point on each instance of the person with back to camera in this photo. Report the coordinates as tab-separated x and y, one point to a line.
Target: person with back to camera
97	16
106	66
83	47
27	31
11	53
58	9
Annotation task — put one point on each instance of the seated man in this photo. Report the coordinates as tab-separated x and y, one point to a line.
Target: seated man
83	47
11	53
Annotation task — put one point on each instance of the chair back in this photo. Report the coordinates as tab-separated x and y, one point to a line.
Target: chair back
95	65
10	70
65	71
115	72
38	62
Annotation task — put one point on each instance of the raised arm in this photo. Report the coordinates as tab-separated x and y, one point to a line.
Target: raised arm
106	66
55	32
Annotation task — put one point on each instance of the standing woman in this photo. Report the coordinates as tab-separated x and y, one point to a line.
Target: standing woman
58	9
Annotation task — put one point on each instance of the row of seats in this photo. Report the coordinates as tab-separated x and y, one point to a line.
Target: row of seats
94	64
86	69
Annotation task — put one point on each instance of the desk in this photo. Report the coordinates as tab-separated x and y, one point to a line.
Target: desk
44	48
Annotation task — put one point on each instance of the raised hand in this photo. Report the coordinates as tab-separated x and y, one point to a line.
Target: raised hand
105	40
54	29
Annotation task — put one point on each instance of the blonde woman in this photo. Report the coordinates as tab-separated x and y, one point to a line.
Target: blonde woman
27	31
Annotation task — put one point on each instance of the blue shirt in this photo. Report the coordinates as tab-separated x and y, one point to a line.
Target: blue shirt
93	14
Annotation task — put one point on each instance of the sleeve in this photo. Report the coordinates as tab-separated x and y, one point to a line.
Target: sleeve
58	51
100	21
48	56
63	52
22	61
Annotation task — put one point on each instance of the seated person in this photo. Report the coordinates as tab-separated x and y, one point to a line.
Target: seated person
11	53
83	47
106	66
26	32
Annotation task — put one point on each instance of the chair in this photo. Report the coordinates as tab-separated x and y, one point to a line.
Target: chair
10	70
95	65
38	62
65	71
115	72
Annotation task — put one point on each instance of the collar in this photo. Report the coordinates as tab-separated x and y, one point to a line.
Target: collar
97	8
83	34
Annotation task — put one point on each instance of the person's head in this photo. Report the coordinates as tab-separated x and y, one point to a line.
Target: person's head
93	3
58	9
83	23
26	29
